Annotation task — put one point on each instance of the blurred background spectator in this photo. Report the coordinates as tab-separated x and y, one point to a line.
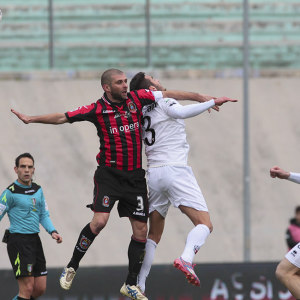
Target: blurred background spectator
293	231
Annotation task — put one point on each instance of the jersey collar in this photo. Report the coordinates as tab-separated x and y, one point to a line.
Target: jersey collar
105	98
22	185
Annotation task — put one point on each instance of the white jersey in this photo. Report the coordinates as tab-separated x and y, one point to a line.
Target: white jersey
293	256
295	177
164	131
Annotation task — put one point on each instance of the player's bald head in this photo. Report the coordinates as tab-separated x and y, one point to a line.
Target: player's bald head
106	77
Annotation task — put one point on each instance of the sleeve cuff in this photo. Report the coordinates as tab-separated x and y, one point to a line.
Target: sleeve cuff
67	116
208	104
211	103
157	95
295	177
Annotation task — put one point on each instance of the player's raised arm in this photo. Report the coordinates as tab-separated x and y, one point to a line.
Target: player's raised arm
56	118
282	174
182	95
221	100
279	173
177	111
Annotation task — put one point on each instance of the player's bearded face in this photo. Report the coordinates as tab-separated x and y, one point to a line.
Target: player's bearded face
119	87
117	95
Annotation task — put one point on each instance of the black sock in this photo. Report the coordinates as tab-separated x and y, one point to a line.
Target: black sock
136	253
85	239
20	298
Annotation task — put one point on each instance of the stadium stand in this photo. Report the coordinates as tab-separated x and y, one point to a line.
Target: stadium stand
204	34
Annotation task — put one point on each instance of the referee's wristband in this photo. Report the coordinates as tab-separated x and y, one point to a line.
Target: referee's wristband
54	231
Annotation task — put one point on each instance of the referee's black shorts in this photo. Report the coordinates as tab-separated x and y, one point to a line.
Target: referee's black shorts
129	187
26	255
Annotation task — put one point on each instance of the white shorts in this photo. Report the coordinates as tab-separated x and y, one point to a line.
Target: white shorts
174	185
293	256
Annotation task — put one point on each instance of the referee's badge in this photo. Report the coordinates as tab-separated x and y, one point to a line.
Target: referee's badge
33	204
105	201
131	107
29	268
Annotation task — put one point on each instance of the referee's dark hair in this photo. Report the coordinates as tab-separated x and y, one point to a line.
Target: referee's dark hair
106	76
139	82
26	154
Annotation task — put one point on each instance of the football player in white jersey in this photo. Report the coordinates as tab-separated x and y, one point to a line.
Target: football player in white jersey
167	153
289	268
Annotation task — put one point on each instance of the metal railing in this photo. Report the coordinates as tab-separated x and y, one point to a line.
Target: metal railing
147	37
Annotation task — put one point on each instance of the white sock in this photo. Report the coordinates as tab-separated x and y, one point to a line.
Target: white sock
146	266
195	239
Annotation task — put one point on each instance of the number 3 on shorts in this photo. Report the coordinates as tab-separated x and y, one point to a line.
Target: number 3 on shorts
140	206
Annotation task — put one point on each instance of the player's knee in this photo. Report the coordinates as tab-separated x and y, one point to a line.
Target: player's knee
98	225
154	237
209	225
144	231
280	273
140	230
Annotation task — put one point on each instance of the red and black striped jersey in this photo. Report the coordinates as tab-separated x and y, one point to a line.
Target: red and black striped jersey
118	127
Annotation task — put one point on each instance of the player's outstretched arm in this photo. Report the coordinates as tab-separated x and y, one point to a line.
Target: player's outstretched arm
182	95
178	111
279	173
221	100
56	118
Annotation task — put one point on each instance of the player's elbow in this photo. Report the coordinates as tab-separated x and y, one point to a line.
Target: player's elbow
61	119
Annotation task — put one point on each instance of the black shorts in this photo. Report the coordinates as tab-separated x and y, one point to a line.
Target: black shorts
129	187
26	255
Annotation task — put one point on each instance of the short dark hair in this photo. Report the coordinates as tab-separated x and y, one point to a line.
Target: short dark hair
297	209
139	82
106	76
26	154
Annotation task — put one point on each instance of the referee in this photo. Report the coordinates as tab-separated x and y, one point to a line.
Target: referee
119	175
25	205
